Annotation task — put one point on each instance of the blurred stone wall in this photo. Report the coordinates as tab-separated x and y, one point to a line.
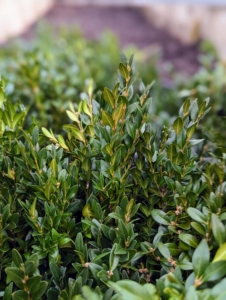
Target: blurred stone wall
192	22
17	15
189	20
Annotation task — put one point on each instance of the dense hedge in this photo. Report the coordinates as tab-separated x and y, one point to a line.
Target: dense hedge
44	75
112	204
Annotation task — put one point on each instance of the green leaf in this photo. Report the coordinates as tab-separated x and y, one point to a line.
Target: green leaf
107	149
54	167
18	118
15	274
194	110
214	271
62	142
171	151
72	192
95	269
158	216
72	116
55	270
170	183
118	113
64	295
190	131
48	190
221	253
8	292
218	229
20	295
178	125
89	294
79	135
185	265
113	259
131	129
123	70
2	97
86	164
90	130
46	133
122	231
195	142
115	90
86	109
198	227
33	283
191	294
218	291
107	119
201	258
42	288
131	290
17	259
163	250
6	119
109	97
64	242
98	257
186	107
196	215
34	260
189	239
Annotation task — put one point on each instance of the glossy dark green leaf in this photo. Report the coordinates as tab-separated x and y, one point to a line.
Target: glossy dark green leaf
17	259
8	292
214	271
196	215
64	295
33	283
55	270
113	258
218	229
170	183
201	258
20	295
199	228
158	215
189	239
2	96
15	274
42	288
163	250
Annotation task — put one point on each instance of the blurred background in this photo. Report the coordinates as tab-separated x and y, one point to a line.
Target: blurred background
169	25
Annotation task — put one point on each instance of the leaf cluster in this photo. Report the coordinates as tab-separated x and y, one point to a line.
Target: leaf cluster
113	204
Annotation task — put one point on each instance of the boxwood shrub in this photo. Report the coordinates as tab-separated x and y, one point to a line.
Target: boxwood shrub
112	208
46	73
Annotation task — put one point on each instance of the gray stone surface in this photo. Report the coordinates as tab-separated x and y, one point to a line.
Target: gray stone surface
17	15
